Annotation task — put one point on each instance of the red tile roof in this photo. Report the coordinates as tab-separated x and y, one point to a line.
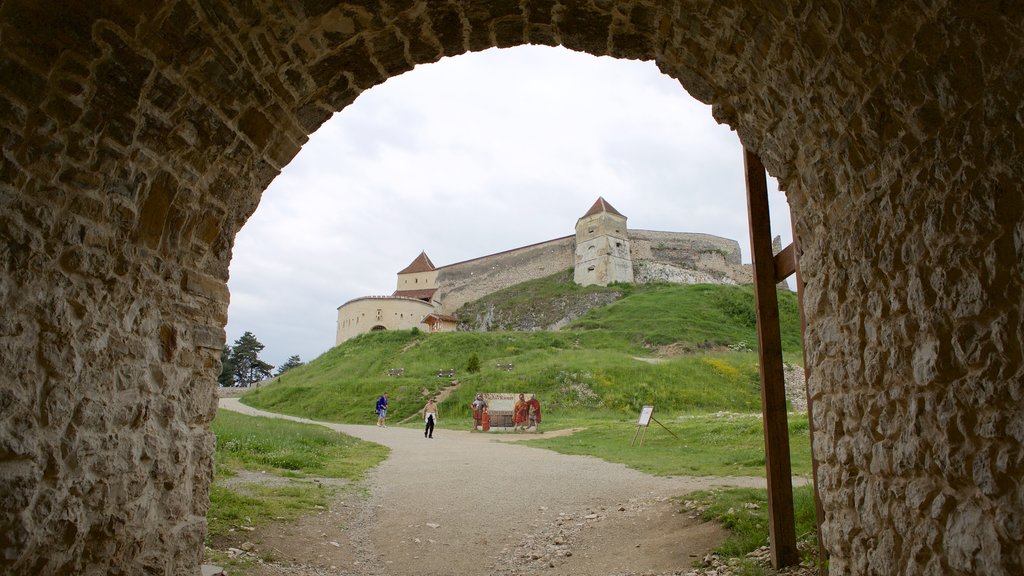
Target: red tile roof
424	294
420	264
601	206
441	317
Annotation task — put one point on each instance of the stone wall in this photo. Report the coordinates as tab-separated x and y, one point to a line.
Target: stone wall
466	281
657	256
137	139
686	258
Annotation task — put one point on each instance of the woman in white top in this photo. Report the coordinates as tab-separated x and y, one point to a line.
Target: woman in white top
430	417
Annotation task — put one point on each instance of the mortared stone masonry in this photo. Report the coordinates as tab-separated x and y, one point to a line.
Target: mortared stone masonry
138	136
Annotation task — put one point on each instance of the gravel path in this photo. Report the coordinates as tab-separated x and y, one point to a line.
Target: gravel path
471	503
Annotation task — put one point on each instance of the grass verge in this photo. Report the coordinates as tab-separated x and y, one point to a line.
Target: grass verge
279	448
744	513
290	448
723	444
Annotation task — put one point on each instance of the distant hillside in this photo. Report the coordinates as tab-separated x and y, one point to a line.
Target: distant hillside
649	315
544	304
694	315
698	338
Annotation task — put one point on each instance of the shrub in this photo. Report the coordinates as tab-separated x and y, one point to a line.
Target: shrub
473	364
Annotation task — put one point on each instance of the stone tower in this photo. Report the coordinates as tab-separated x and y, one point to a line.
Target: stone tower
418	279
602	247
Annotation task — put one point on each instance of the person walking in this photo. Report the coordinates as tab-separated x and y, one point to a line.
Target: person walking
382	410
430	418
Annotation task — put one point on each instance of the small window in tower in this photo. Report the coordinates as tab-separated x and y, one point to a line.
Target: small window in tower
417	280
618	244
590	230
617	231
590	268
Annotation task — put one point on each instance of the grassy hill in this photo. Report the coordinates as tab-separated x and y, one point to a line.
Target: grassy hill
589	369
542	304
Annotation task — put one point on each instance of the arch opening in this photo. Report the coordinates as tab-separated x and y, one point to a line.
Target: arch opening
137	143
415	162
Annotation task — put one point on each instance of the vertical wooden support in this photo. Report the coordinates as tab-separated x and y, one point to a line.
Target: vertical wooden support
781	524
819	512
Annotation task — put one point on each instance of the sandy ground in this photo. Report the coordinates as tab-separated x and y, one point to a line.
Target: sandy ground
476	504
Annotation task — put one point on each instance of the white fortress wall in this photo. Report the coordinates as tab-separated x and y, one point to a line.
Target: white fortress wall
361	315
470	280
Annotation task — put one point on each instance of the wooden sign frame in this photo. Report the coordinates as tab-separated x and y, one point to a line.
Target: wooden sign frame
644	421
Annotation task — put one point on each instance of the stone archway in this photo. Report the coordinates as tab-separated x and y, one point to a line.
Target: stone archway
137	139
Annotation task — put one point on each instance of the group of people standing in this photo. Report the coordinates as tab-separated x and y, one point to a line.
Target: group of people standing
525	414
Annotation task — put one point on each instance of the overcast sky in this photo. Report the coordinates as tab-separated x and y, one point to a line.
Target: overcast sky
474	155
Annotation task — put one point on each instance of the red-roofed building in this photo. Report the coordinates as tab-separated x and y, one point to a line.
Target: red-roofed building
418	279
441	322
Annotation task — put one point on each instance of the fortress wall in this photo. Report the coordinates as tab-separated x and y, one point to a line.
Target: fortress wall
467	281
359	316
669	256
712	256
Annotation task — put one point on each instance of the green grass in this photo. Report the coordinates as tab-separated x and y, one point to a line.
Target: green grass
707	445
540	302
595	355
256	505
290	448
280	448
701	314
744	512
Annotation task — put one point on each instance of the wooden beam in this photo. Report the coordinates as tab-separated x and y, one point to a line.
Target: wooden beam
785	263
781	524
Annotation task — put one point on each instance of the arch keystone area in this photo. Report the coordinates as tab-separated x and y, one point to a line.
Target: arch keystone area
137	139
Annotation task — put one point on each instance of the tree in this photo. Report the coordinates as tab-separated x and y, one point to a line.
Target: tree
227	369
292	362
473	365
245	358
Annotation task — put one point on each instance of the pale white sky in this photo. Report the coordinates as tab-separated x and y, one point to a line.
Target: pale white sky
474	155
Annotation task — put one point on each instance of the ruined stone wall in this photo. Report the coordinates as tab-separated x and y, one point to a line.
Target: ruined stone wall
688	258
137	138
473	279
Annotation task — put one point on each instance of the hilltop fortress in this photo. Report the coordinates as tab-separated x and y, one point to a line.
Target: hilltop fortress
602	251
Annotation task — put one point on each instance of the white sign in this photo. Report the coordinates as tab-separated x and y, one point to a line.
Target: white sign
645	416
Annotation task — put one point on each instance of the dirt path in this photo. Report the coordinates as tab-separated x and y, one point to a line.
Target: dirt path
464	503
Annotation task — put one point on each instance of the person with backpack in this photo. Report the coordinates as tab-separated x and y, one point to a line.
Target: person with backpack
382	409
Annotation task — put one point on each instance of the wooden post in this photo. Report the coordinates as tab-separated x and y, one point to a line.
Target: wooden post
781	524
